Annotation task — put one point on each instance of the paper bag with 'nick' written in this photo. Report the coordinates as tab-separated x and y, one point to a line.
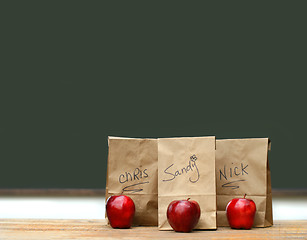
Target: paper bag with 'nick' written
186	169
242	168
132	171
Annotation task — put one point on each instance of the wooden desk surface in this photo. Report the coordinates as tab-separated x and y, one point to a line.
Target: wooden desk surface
97	229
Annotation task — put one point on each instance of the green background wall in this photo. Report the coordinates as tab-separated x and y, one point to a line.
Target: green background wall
74	72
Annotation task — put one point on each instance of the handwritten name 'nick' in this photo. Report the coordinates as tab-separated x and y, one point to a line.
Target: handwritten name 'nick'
233	171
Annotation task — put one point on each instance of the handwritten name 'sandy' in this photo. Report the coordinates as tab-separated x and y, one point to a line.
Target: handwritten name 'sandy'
191	167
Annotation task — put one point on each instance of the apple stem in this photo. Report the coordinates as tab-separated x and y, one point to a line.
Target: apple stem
188	199
244	195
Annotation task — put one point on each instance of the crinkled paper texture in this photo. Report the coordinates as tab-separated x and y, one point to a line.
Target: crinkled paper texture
242	168
193	158
132	171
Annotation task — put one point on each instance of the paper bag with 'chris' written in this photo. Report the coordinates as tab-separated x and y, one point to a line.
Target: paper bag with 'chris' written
242	168
186	169
132	171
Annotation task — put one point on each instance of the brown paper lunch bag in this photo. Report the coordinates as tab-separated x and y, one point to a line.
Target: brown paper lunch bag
186	169
242	168
132	171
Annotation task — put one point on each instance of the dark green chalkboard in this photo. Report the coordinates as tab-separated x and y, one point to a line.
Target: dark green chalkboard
74	72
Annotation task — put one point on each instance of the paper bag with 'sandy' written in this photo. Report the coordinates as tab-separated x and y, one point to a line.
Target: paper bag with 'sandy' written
132	171
242	168
186	169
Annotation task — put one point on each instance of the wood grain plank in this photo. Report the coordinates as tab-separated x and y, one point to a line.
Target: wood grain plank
97	229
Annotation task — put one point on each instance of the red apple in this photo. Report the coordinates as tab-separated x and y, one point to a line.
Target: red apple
120	211
241	213
183	215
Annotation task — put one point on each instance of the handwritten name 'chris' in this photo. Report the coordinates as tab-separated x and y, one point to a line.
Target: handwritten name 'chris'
137	174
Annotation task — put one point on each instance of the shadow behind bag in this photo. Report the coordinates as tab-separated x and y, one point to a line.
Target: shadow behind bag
242	168
132	171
